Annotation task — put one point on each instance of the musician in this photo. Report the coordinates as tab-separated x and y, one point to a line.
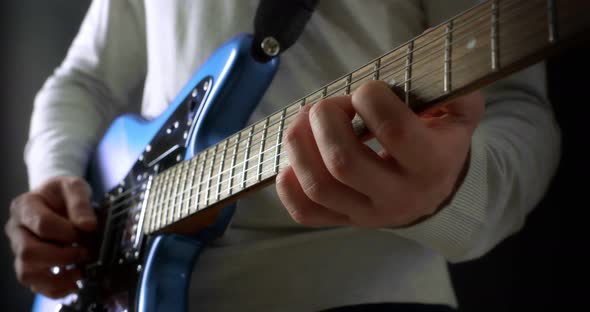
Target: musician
348	226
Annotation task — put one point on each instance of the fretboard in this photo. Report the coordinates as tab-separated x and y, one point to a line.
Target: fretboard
469	51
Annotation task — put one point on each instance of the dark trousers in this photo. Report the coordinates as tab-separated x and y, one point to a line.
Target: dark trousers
393	307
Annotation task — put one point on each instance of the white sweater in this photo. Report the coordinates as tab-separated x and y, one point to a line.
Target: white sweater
265	261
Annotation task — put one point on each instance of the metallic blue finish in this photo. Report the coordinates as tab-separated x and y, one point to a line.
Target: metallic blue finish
238	93
239	82
164	285
237	88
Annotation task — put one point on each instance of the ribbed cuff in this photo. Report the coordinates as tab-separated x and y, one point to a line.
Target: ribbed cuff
454	227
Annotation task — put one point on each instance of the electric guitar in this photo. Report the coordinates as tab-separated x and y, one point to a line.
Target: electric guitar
167	186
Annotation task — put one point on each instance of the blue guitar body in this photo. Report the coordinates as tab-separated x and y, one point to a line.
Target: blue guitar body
131	151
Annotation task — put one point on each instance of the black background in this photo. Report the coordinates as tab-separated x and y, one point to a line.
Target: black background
542	268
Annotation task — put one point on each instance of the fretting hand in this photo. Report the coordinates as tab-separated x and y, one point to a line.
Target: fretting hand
334	179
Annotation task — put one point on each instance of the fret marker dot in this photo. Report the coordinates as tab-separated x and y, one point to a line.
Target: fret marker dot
471	43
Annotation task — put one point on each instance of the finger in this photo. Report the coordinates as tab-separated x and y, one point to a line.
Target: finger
300	207
31	211
315	180
33	251
399	130
74	194
30	274
56	286
344	155
462	114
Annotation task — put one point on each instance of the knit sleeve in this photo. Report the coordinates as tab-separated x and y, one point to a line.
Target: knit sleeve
514	154
104	67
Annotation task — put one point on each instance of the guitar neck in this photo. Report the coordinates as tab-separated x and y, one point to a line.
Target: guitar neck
486	43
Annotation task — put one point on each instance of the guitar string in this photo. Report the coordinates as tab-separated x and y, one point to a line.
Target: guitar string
470	35
380	69
218	184
226	179
413	79
268	137
177	207
481	15
180	210
211	178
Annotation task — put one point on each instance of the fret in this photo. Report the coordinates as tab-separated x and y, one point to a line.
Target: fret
149	208
182	187
220	172
552	20
177	194
470	46
302	103
408	75
141	217
376	69
494	36
165	198
246	156
210	177
524	32
315	96
341	86
280	139
173	198
392	67
198	161
159	193
233	164
203	163
190	181
147	212
262	145
448	52
348	83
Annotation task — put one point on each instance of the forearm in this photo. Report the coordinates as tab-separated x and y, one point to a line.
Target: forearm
66	122
514	154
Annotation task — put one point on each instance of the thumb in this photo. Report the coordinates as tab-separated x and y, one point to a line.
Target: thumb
76	193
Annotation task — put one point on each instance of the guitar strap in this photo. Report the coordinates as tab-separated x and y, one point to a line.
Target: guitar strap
278	24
